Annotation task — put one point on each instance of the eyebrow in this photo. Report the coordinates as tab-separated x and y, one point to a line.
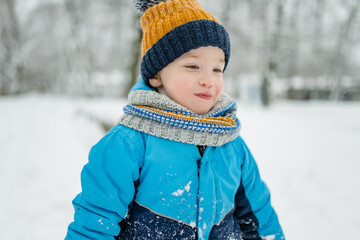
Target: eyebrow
189	55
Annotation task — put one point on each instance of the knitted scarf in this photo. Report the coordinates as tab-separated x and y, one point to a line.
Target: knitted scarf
158	115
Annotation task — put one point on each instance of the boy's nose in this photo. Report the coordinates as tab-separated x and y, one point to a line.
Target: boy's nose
207	80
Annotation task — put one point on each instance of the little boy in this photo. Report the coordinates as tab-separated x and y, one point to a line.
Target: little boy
175	167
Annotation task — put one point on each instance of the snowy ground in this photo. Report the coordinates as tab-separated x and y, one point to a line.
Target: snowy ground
308	153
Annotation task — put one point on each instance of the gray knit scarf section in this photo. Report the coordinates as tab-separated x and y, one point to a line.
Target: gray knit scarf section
162	130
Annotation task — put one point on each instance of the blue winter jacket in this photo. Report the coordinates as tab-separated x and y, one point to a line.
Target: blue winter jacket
137	186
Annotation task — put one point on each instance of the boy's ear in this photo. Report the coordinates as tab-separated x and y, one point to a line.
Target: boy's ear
155	82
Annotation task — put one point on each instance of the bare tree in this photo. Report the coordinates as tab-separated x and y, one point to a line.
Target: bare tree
264	51
276	36
11	62
343	46
135	53
294	38
79	56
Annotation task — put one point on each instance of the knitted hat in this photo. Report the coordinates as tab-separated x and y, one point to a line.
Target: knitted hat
174	27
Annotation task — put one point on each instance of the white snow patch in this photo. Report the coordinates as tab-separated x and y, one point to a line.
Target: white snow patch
192	224
201	234
204	226
179	192
187	187
269	237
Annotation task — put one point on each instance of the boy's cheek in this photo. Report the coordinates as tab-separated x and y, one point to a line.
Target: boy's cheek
183	85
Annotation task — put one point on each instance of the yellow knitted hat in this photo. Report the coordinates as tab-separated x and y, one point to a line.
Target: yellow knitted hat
174	27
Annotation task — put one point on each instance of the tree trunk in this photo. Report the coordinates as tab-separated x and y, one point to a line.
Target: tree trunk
318	43
338	64
135	55
294	56
11	67
276	38
265	53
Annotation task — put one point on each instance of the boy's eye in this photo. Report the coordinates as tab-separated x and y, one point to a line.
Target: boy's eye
192	67
218	70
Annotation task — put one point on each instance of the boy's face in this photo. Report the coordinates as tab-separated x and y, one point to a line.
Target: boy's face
194	80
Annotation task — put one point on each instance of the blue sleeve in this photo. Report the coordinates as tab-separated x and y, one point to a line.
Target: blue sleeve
108	186
255	215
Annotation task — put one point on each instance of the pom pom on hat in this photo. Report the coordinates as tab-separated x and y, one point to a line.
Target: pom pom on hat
142	5
174	27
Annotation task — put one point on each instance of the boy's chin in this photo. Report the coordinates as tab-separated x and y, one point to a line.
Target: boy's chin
201	111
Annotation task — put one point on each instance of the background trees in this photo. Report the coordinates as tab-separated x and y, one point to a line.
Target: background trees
289	48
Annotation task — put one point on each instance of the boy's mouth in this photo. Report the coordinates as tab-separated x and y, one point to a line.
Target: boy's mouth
205	96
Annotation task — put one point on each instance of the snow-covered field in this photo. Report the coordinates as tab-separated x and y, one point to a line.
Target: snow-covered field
308	153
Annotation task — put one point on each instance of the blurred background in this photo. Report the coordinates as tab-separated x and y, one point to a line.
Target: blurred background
66	67
288	49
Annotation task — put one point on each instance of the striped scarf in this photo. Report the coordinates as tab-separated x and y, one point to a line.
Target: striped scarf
158	115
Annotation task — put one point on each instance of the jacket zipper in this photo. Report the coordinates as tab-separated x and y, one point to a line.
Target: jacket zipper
197	199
